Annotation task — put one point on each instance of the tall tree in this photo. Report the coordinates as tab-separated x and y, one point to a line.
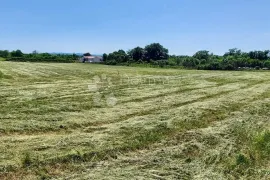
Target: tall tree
233	52
35	52
261	55
4	53
105	57
136	53
202	55
118	56
17	53
156	51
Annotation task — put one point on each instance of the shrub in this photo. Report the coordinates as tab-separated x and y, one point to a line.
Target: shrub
267	64
111	62
41	59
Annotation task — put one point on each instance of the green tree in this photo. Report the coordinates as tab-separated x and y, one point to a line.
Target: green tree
105	57
190	62
156	51
233	52
17	53
202	55
35	52
4	53
267	64
261	55
136	53
117	57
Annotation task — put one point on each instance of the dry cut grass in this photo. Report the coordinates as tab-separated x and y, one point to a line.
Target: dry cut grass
82	121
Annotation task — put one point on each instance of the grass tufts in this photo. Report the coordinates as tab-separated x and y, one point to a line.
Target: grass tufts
261	144
27	160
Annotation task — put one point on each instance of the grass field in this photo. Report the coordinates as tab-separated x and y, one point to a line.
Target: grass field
83	121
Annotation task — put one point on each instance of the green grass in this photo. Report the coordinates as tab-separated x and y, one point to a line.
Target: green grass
252	152
166	123
262	144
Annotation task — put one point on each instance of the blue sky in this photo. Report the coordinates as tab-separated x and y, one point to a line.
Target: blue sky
98	26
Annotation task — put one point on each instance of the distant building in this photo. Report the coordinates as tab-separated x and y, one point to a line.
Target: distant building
91	59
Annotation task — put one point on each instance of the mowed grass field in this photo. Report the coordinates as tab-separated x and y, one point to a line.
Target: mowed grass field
85	121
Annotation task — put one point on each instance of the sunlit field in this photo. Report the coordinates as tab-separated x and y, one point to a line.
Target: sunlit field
86	121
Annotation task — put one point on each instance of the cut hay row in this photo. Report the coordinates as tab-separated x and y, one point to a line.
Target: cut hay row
180	125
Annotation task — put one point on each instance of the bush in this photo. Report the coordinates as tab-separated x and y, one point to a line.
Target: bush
42	59
228	67
111	62
160	63
267	64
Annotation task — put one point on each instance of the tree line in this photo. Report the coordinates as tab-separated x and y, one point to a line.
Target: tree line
156	55
152	52
18	55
